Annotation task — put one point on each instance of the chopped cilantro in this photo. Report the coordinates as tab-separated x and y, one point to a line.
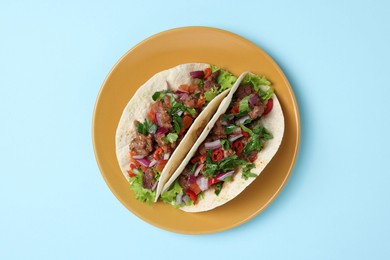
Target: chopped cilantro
146	128
246	173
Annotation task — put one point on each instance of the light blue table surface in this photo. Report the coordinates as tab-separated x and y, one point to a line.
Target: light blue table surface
54	56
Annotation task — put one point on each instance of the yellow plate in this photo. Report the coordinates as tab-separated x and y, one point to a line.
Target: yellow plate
168	49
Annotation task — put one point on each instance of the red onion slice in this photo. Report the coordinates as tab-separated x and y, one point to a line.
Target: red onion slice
154	186
213	145
161	131
183	96
166	156
224	175
178	198
191	179
203	183
253	99
137	156
180	91
198	169
233	138
152	163
241	120
237	131
198	74
144	162
186	198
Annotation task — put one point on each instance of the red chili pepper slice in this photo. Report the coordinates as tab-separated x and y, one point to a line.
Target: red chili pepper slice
217	155
157	153
192	195
268	106
238	146
207	73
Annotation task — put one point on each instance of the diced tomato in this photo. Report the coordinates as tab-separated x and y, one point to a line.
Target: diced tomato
217	155
132	153
137	164
160	165
192	195
193	88
238	146
245	133
207	73
195	188
268	106
157	153
185	88
131	174
168	104
187	121
235	109
132	166
200	158
201	102
152	116
213	181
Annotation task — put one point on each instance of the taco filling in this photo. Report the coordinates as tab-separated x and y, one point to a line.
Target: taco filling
232	145
169	118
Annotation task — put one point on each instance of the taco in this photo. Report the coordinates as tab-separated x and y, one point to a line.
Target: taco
163	120
234	148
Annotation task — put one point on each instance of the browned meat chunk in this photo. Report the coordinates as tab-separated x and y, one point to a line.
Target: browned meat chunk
148	179
257	111
210	82
141	145
167	147
228	152
190	101
183	181
218	129
162	116
202	149
243	91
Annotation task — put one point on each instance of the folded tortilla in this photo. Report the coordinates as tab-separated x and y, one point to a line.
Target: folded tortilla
138	108
274	122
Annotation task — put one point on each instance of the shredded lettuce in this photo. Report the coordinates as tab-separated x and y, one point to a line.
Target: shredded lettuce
265	95
244	105
141	194
210	95
169	195
226	80
255	81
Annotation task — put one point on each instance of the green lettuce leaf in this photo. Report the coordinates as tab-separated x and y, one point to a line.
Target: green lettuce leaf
141	194
244	105
226	80
169	196
170	138
210	95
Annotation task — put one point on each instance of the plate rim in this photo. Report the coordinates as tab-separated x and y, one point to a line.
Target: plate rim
296	113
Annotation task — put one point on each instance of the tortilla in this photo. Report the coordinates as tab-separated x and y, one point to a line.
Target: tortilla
274	122
138	108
